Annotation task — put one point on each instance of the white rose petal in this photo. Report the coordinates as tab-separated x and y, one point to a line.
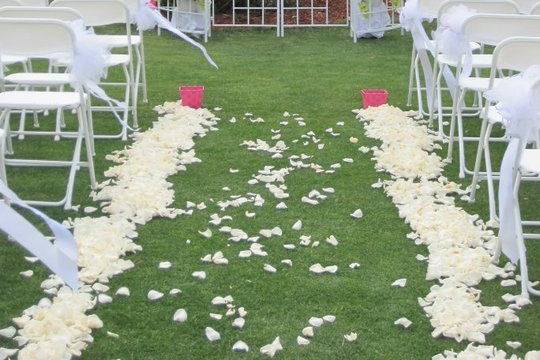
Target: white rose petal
211	334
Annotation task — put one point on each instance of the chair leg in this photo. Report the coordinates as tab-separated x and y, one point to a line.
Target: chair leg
461	136
135	90
143	74
90	124
4	119
127	98
453	125
431	106
418	85
411	78
89	144
523	271
75	164
58	124
439	104
22	125
489	174
3	175
478	161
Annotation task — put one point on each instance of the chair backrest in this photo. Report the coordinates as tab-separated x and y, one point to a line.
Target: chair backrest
10	3
27	12
482	6
490	29
98	12
516	53
536	9
36	37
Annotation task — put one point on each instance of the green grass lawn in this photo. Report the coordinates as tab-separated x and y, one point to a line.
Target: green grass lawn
317	73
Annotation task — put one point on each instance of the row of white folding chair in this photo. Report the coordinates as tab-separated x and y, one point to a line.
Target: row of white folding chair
479	60
30	79
58	79
127	41
430	10
97	13
522	58
91	14
35	38
490	30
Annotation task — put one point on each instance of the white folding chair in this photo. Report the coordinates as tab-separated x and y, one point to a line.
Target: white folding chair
487	29
479	61
514	55
138	44
525	165
7	59
529	164
535	9
40	79
429	9
98	13
35	37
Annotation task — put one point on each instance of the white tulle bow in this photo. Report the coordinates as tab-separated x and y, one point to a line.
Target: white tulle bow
451	41
89	66
517	98
518	104
147	18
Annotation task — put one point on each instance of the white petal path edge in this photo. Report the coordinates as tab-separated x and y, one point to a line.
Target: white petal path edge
459	244
136	192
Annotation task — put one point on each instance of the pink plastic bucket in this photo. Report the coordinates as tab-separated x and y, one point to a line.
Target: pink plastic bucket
192	96
374	97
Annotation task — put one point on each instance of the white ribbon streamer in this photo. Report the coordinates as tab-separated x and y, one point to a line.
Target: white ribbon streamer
60	257
147	18
520	107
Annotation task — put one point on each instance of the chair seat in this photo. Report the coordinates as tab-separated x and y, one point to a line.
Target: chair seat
530	161
12	59
39	78
36	100
119	41
479	61
112	60
476	83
